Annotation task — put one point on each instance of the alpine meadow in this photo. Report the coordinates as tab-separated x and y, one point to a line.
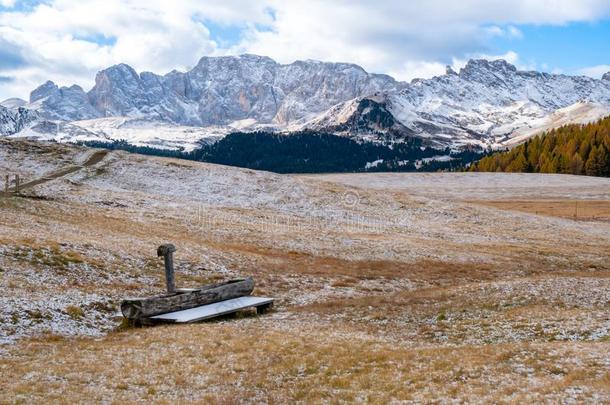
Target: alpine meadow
309	202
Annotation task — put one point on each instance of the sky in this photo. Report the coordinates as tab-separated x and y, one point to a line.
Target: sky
69	41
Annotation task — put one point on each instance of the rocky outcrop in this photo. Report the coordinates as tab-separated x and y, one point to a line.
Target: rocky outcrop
65	103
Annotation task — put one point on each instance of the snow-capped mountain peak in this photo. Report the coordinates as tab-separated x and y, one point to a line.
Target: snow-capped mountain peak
13	103
48	89
486	103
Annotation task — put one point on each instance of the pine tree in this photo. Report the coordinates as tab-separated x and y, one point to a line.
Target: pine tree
592	164
518	165
576	164
572	149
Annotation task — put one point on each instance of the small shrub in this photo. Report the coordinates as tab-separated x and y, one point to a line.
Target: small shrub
127	324
36	315
74	312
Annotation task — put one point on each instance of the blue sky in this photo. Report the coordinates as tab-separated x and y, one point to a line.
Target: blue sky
568	48
68	41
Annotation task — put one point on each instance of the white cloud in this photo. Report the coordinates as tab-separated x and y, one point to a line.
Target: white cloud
56	38
393	36
514	32
7	3
407	39
594	71
419	70
508	32
510	56
423	69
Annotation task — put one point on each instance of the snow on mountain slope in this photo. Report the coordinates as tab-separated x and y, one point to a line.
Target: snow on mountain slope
13	103
487	103
142	132
366	118
138	132
578	113
14	121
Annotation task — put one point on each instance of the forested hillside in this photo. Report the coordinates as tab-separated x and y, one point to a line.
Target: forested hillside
572	149
312	152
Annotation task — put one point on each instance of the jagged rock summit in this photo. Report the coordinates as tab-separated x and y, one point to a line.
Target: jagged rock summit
217	91
65	103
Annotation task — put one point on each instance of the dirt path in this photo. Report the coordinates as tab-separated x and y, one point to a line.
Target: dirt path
94	159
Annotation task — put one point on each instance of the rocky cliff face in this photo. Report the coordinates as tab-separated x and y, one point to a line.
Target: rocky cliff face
217	91
221	90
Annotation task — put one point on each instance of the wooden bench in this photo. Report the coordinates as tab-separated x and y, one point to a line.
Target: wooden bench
182	305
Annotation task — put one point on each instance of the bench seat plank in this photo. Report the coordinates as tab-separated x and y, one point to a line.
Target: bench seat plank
213	310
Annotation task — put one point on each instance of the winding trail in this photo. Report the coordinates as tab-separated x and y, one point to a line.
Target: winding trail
94	159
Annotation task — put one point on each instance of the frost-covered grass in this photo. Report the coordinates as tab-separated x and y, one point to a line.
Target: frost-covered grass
480	186
388	287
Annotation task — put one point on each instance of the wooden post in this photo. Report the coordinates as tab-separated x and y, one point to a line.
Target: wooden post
167	251
7	182
17	183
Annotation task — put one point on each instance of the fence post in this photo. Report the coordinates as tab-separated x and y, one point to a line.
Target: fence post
17	183
7	182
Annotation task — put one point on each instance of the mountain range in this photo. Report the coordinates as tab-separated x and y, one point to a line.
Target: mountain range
485	104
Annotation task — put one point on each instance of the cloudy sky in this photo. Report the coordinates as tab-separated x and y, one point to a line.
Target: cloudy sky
68	41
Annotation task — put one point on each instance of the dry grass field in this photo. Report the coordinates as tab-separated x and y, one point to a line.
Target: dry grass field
584	210
418	288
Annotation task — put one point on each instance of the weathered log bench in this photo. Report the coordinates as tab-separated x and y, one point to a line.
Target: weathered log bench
193	304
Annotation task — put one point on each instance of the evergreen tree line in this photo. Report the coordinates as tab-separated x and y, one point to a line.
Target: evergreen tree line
571	149
307	152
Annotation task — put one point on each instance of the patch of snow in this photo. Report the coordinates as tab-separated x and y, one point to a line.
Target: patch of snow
370	165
